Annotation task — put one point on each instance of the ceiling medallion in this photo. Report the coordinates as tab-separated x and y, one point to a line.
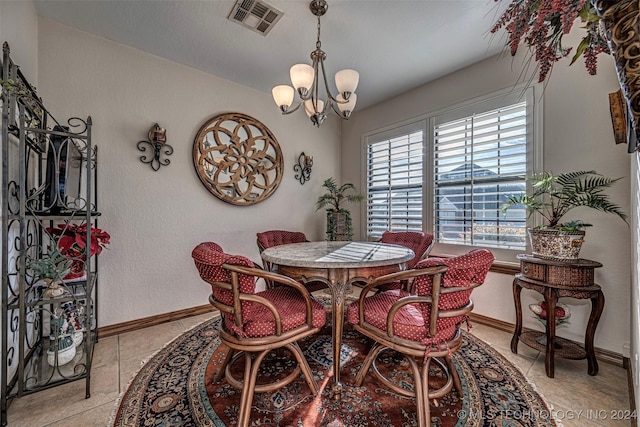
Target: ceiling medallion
238	159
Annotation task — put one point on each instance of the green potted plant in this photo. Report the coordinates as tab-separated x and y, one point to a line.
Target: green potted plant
51	268
552	197
338	218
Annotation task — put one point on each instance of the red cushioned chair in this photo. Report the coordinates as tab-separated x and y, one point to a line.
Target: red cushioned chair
420	243
270	238
254	323
425	326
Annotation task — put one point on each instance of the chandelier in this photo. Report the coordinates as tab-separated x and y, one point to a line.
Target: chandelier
306	81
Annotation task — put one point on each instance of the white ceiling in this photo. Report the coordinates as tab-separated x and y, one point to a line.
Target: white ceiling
396	45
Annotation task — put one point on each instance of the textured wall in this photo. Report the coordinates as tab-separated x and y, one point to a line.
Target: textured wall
18	27
577	135
156	218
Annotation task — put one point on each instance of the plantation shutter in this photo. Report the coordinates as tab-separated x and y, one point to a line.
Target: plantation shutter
478	161
395	181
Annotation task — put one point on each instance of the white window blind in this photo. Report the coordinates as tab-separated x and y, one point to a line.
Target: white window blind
394	183
478	161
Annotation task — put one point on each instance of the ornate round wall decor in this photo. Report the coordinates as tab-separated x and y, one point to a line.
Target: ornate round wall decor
238	159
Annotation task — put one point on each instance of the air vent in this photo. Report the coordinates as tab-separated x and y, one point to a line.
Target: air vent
255	15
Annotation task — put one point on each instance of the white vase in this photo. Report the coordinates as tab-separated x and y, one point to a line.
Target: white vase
65	349
77	338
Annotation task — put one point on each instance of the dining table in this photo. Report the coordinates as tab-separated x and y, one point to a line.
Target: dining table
339	265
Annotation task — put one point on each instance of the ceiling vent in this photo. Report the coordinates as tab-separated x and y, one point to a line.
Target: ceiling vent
255	15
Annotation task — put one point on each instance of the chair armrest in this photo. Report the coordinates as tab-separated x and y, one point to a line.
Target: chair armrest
279	278
395	277
411	299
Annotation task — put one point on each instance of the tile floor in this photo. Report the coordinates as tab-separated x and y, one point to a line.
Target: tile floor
117	359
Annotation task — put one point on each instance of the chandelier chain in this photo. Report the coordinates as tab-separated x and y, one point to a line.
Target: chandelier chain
318	43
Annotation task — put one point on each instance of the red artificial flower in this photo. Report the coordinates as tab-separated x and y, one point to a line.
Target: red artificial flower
560	313
541	25
72	239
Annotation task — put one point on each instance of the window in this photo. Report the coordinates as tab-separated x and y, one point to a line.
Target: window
450	173
394	181
478	161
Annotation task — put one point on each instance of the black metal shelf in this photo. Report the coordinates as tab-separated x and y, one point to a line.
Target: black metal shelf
51	165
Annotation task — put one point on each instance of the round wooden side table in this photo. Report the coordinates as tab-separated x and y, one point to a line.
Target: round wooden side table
555	279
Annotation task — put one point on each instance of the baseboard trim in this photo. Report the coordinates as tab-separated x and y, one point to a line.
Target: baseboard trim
133	325
605	356
602	355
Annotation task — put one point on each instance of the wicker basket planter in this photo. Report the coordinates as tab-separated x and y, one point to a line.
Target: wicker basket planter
556	244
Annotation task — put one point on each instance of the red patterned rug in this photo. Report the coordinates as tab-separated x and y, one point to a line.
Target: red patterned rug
175	389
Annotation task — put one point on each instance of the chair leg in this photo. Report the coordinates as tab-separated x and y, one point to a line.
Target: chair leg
424	412
246	393
366	365
218	376
248	386
304	365
454	375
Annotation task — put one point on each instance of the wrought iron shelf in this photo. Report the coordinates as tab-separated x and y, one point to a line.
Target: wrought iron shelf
75	290
79	215
50	179
41	375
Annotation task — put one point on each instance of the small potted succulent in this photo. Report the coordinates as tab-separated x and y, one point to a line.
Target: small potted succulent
338	218
553	196
51	269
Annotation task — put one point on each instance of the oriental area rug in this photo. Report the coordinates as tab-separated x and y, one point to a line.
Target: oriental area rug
175	388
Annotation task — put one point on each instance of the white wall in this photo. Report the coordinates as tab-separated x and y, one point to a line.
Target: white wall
18	27
634	301
156	218
577	136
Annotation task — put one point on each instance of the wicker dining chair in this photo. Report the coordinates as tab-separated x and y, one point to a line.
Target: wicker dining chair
420	243
254	323
425	326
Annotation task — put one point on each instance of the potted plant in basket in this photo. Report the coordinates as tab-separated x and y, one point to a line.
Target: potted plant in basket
72	242
338	218
553	196
51	268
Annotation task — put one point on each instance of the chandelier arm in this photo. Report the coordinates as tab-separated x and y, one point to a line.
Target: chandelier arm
292	110
326	87
335	108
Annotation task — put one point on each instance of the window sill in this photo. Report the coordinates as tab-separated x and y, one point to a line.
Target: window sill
500	267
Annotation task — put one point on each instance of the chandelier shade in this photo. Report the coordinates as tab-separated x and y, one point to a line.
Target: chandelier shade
307	80
283	95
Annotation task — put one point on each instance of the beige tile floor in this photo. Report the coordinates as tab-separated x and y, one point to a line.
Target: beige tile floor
117	359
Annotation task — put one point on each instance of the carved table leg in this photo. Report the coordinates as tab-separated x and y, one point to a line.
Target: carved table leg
517	289
551	298
597	305
338	279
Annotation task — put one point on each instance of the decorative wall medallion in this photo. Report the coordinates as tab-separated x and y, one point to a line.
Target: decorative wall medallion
238	159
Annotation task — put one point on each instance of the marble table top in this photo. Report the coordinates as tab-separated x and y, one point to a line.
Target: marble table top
337	254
